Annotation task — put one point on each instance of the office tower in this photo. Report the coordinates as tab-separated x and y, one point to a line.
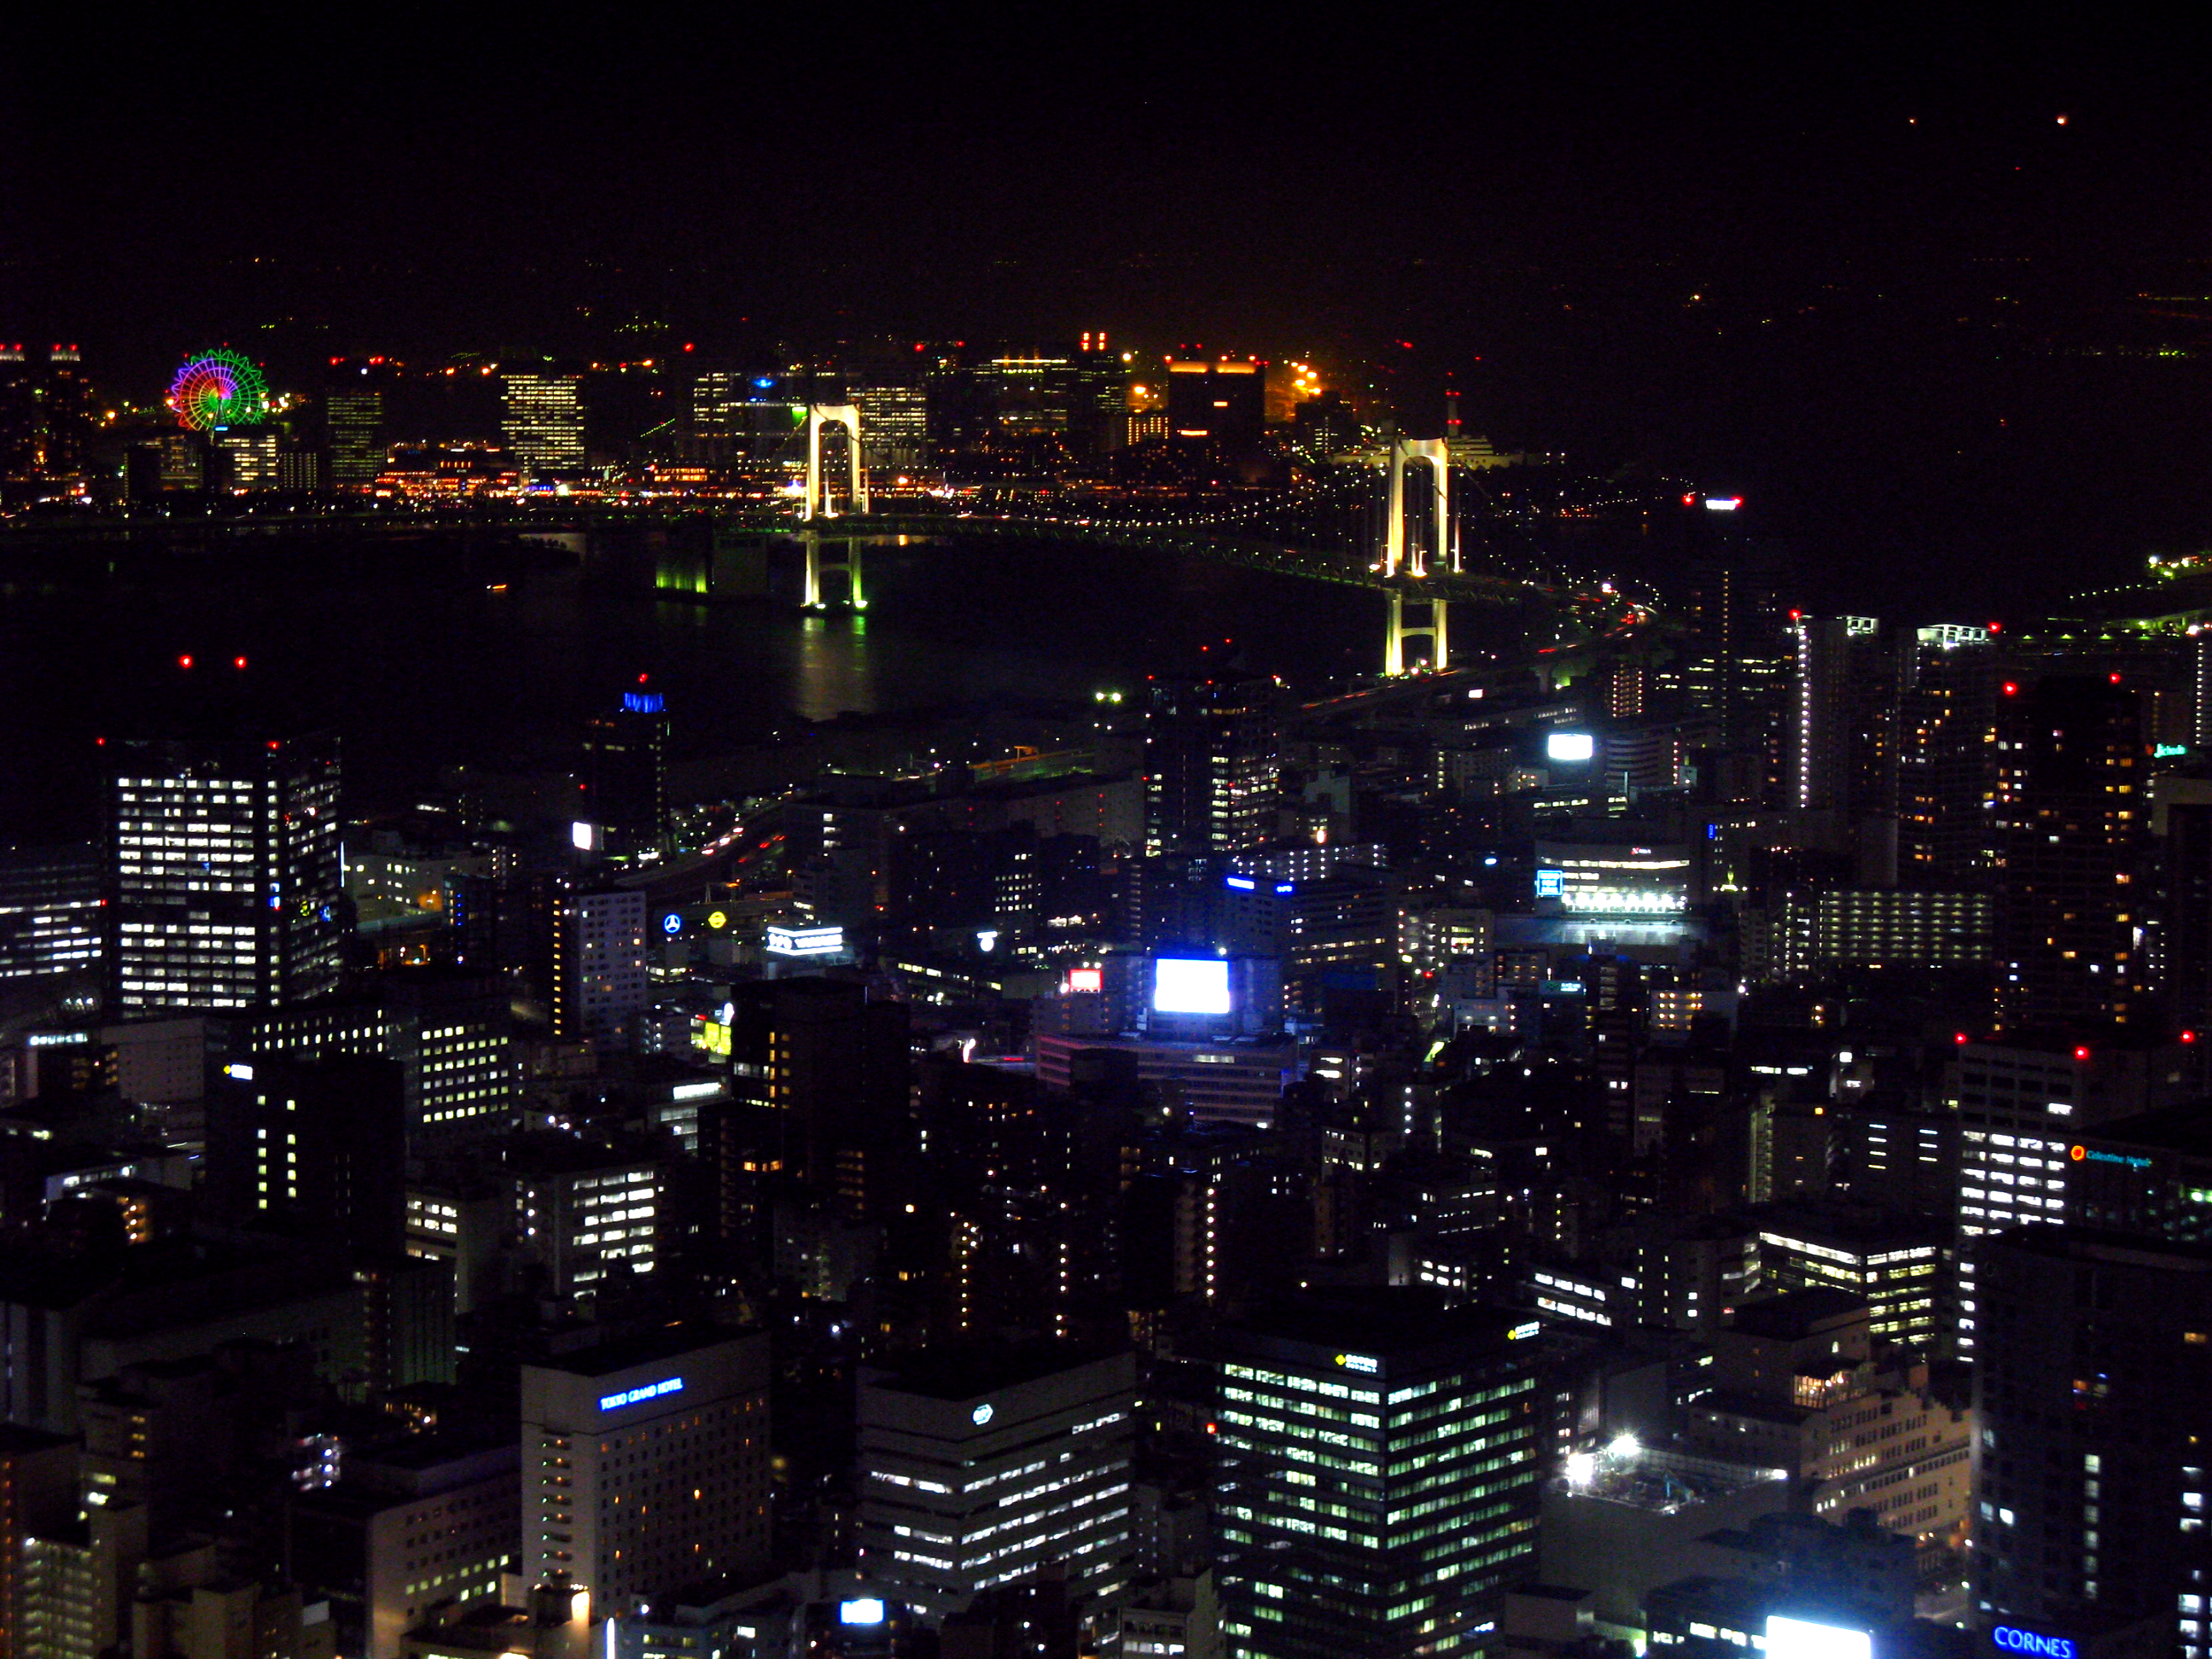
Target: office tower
1737	669
223	876
1798	1382
45	414
626	772
50	920
1844	742
79	1581
543	421
894	428
1893	1262
299	472
1325	426
2071	830
1340	1421
1881	928
599	980
645	1464
1211	764
315	1149
2020	1107
1098	396
2093	1395
585	1216
830	1067
357	429
427	1520
244	457
981	1466
1223	403
450	1034
37	1495
1947	757
2182	820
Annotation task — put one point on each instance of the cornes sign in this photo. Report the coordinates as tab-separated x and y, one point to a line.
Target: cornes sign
2013	1639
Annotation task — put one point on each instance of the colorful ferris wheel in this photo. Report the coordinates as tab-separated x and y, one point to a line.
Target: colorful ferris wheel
219	388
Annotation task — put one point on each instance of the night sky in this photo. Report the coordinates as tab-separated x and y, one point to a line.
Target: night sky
1938	334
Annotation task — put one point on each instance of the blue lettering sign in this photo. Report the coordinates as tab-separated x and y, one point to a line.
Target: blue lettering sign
614	1402
1551	884
2015	1640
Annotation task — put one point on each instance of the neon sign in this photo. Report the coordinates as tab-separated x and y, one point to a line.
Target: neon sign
614	1402
2012	1639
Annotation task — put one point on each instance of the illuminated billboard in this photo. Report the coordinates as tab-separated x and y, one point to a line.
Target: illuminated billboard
805	941
1800	1638
1570	746
1190	986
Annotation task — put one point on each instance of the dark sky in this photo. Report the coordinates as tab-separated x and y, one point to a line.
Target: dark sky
1920	329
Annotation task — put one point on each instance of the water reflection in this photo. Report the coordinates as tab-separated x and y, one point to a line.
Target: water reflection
833	671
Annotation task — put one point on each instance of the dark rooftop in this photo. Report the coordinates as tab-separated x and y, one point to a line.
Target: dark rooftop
2184	1128
1380	1320
620	1353
1790	1317
964	1370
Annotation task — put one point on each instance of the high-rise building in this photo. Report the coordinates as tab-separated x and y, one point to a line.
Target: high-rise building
224	876
1223	403
585	1216
543	420
246	457
2020	1107
407	1527
1380	1475
315	1149
1211	764
37	1495
357	445
2070	826
978	1467
1737	666
1894	1263
645	1465
2093	1396
894	428
451	1036
1946	757
626	772
599	979
1798	1382
2182	821
50	920
1842	757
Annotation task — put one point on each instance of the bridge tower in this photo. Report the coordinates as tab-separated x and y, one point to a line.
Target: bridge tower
820	562
1406	557
818	503
1398	629
821	504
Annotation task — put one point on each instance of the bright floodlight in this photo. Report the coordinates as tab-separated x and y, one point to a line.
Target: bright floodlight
1800	1639
1581	1469
1623	1448
1570	746
1190	986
